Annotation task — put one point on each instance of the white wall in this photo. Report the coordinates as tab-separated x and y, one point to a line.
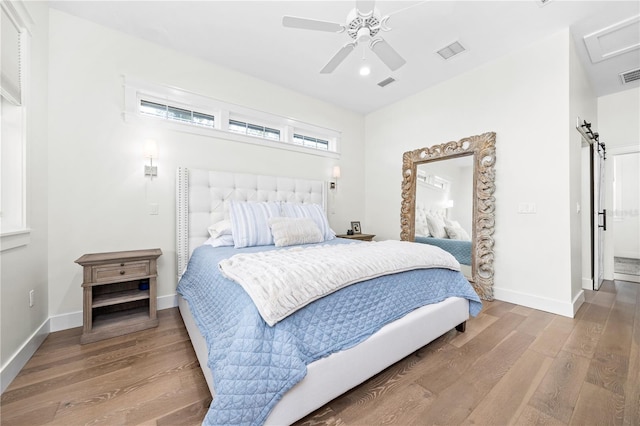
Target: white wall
525	98
25	268
619	127
583	104
98	197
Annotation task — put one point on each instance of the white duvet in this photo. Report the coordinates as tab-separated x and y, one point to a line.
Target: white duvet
282	281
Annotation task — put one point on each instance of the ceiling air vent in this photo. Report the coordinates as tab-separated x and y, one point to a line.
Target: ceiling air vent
387	81
629	76
451	50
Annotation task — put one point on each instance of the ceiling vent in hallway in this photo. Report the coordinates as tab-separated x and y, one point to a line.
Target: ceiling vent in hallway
451	50
387	81
629	76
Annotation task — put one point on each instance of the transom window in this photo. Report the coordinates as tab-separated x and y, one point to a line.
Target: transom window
310	142
176	114
189	112
256	130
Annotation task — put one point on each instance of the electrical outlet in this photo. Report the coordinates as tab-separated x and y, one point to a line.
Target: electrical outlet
32	295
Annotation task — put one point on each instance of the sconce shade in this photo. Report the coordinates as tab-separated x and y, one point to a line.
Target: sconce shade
151	149
336	172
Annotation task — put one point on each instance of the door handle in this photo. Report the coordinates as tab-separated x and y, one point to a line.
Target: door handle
604	219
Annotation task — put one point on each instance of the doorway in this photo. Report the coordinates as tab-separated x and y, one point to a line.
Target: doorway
626	216
595	217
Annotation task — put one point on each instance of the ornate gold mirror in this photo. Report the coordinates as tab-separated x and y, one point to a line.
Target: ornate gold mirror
435	180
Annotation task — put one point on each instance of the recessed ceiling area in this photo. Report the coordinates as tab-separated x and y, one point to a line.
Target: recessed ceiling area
249	37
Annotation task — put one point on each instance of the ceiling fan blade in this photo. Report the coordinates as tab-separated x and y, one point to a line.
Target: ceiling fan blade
311	24
365	7
338	58
387	54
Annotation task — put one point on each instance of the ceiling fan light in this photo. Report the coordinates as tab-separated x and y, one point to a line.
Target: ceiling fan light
365	70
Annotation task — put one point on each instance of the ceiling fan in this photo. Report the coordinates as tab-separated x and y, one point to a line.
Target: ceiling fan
363	25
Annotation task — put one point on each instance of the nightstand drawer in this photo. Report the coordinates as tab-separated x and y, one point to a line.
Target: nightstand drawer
116	271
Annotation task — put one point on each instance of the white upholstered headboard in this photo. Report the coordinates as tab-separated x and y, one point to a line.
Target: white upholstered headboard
202	199
421	214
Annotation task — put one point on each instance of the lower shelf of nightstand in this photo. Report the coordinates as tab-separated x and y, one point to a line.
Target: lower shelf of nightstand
119	323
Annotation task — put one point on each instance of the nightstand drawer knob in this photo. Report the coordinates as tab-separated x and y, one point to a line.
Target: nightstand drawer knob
122	264
121	272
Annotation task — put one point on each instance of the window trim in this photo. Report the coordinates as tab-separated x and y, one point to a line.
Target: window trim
18	13
136	90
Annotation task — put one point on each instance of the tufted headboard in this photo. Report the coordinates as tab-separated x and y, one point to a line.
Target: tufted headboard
202	198
421	214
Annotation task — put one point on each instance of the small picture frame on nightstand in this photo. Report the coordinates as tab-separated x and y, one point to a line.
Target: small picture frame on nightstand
355	227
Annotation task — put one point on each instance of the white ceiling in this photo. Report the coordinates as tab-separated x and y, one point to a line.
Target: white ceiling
248	36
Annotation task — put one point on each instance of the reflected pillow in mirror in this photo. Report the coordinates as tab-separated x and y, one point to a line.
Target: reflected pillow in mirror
422	230
436	226
457	233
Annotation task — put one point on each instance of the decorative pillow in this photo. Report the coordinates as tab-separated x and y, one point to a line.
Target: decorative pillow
457	233
249	222
436	226
220	228
422	230
452	223
221	241
311	211
290	231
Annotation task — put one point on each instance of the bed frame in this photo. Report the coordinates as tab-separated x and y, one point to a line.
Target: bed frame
201	199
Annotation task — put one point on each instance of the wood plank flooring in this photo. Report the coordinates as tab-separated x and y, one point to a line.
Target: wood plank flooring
513	366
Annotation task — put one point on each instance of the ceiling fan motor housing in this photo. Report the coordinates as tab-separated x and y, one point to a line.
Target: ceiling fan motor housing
358	24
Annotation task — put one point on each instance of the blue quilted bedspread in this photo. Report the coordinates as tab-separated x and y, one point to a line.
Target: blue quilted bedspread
253	364
461	250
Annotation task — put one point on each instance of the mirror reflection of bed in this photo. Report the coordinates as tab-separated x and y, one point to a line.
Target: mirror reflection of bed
444	207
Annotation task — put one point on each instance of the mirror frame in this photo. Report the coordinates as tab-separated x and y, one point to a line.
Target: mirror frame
482	147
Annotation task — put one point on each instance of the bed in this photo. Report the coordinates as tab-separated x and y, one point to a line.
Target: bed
202	199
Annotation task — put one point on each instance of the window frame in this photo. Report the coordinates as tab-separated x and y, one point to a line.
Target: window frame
19	234
137	90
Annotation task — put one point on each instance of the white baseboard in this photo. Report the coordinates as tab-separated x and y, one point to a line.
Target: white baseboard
11	369
566	309
52	324
626	277
587	283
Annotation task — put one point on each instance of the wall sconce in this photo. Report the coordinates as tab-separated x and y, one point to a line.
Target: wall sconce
151	152
335	175
448	204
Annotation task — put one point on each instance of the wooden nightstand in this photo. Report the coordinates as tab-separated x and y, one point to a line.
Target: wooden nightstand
119	293
361	237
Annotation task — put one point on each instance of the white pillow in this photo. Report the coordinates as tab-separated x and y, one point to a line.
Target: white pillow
311	211
457	233
290	231
220	228
452	223
436	226
249	222
221	241
422	230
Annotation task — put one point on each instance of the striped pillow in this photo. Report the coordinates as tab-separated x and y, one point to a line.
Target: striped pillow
250	222
311	211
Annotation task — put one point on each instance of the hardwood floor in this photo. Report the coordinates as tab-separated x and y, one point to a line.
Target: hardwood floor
513	366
